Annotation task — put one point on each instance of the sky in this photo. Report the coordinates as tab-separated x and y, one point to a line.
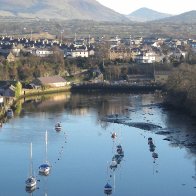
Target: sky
166	6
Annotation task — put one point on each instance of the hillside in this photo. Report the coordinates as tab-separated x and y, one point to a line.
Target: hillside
59	9
187	17
146	14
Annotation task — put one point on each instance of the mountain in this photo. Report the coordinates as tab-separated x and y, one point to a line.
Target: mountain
146	14
59	9
187	17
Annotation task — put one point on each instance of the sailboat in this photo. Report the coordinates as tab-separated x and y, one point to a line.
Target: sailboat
31	180
44	168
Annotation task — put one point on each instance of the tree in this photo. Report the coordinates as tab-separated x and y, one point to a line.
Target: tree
18	89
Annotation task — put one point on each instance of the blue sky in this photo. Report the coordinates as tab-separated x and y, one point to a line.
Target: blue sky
165	6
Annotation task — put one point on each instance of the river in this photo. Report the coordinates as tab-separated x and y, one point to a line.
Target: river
81	153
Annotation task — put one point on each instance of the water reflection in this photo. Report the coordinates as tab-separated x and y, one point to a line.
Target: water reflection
30	190
48	103
155	155
142	107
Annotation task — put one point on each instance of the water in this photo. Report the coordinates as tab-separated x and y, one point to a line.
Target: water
80	154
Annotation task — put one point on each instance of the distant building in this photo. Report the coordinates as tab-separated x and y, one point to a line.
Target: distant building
1	100
145	57
7	90
52	81
43	52
79	53
118	52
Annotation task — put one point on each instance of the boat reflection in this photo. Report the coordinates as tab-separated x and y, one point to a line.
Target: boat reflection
155	155
30	189
108	189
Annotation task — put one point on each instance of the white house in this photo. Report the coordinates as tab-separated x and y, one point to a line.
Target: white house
80	53
91	52
148	57
1	100
43	52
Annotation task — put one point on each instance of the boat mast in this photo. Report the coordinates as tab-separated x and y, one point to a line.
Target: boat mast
31	161
46	143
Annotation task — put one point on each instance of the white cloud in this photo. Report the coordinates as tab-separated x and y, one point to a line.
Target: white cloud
166	6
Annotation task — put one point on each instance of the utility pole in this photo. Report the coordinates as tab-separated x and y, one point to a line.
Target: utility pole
89	40
130	40
31	35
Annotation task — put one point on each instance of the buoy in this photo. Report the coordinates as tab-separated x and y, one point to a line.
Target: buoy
114	135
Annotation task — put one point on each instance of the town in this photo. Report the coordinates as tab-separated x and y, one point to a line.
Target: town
136	49
59	62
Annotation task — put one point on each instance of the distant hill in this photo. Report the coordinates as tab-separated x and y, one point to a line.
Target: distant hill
187	17
59	9
146	14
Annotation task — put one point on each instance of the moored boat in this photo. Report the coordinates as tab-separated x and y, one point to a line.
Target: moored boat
9	113
113	164
58	126
44	168
31	180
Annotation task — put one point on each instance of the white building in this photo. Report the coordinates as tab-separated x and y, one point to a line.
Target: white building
1	100
79	53
43	52
148	57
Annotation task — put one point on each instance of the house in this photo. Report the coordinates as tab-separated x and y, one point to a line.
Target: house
138	40
91	52
113	42
1	100
120	52
79	43
51	81
145	57
7	90
10	91
43	52
79	53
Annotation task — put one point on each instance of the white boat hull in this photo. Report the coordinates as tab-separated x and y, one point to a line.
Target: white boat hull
31	182
44	171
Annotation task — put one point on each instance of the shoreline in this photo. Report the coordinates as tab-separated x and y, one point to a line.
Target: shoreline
117	87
